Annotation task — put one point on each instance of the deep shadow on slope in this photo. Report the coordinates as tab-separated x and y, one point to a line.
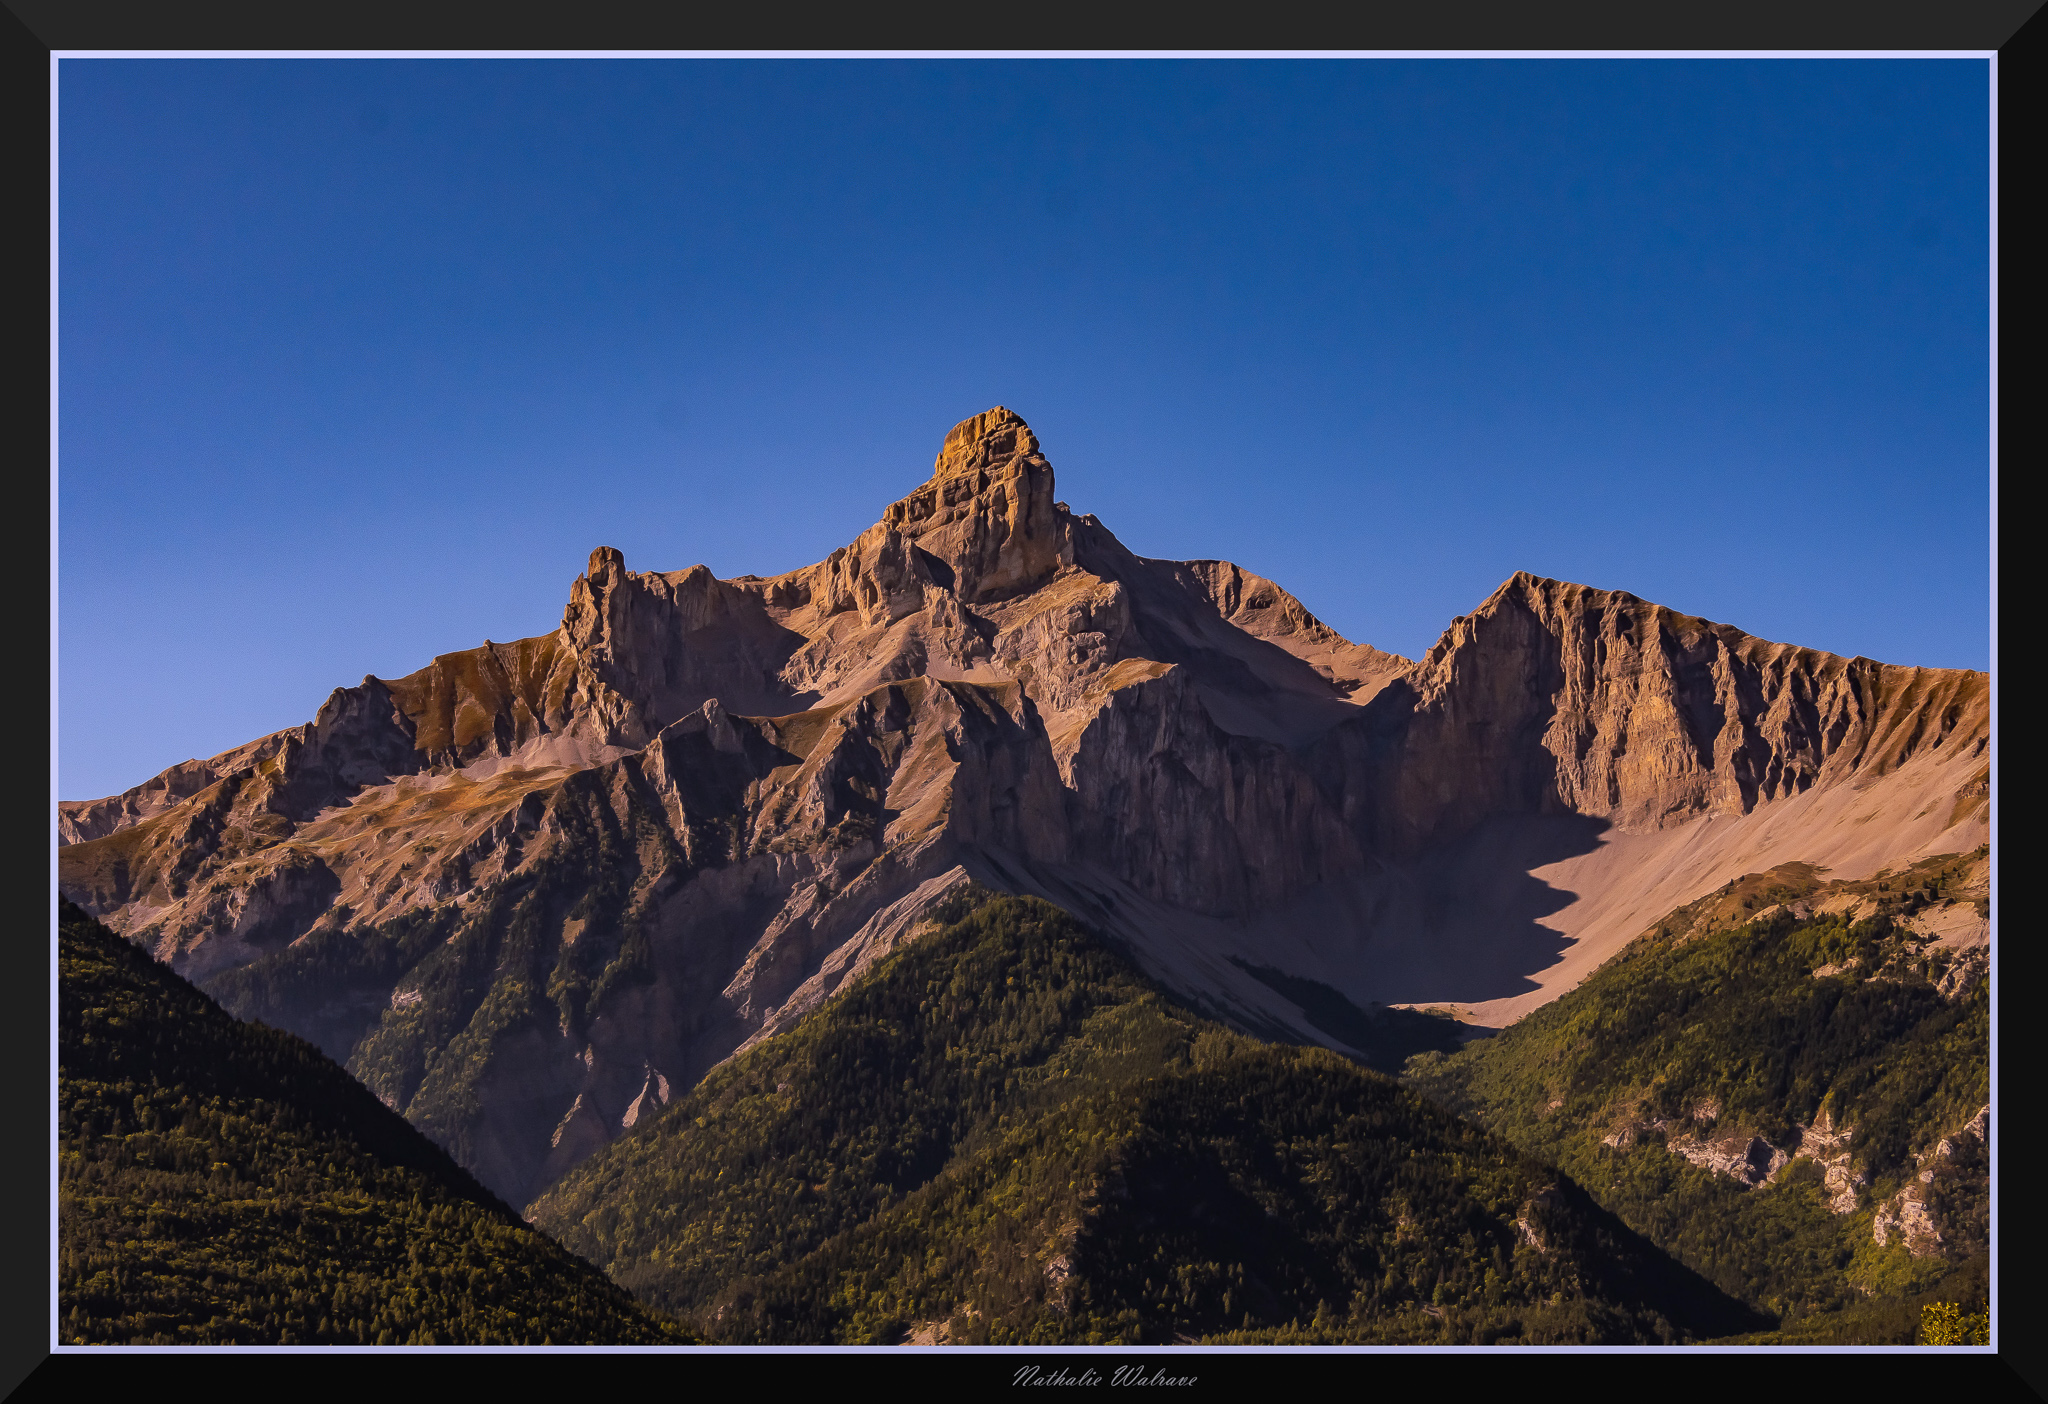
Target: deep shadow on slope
1453	928
1481	933
1385	1038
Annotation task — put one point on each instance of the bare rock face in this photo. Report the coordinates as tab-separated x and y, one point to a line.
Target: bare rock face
1554	696
532	885
1828	1146
988	511
636	652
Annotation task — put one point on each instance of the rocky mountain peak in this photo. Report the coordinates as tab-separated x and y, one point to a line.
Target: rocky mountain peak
607	564
789	769
987	513
984	441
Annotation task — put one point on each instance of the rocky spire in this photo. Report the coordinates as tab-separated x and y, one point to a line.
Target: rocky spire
988	439
987	512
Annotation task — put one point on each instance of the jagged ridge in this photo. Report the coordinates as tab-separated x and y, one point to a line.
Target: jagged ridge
779	773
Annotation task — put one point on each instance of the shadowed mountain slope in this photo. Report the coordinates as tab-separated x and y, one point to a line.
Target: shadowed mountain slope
221	1183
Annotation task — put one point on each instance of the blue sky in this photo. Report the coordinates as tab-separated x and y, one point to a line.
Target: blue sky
359	359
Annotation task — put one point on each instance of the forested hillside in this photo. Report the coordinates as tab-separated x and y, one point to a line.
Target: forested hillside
1790	1100
1004	1134
225	1183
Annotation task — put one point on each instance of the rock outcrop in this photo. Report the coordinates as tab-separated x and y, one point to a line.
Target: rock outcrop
1749	1159
1914	1215
510	886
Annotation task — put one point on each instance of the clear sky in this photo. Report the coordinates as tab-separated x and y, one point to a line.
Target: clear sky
360	358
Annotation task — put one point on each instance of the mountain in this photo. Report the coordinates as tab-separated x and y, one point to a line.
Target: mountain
222	1183
1786	1084
1004	1135
538	889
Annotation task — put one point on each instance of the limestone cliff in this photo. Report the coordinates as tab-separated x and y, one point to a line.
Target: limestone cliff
525	885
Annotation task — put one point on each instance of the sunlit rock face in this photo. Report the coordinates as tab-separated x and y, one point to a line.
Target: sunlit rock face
530	887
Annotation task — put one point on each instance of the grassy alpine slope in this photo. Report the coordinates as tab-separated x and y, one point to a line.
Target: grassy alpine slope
1829	1058
225	1183
1004	1134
